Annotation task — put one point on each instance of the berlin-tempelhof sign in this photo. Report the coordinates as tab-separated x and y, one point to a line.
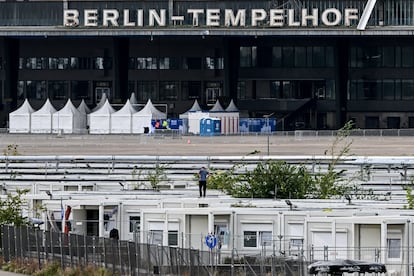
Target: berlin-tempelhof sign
215	17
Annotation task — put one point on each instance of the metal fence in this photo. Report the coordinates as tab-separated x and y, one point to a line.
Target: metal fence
133	258
121	257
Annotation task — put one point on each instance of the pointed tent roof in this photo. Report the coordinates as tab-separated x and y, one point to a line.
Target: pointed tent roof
69	108
83	107
24	108
106	108
217	107
101	102
126	109
195	107
47	108
149	108
232	107
133	99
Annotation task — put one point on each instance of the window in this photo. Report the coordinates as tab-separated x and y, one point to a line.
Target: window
300	57
248	56
394	248
241	90
250	239
168	63
214	63
276	56
134	224
191	90
155	237
58	63
173	238
36	90
192	63
147	90
58	90
254	239
288	56
169	90
146	63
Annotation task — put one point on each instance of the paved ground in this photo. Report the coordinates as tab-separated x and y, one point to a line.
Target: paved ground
195	145
6	273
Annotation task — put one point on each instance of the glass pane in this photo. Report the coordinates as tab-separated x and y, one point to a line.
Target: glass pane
407	89
155	237
265	238
318	57
300	56
173	238
58	90
407	56
134	223
277	56
250	239
388	57
388	93
288	57
394	248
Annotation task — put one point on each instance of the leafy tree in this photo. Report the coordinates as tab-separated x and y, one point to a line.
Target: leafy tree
332	182
282	180
10	209
156	176
276	179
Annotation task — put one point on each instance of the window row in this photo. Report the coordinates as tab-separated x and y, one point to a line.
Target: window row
286	89
144	90
65	63
382	56
176	63
381	90
287	57
176	90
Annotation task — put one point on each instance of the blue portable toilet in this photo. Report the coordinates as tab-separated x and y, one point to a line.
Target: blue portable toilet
210	126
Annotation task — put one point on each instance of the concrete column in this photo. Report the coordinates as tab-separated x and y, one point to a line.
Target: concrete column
101	221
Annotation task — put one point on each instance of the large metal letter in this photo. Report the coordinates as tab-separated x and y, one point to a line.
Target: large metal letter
366	15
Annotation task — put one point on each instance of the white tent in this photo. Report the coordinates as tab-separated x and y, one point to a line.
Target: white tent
217	107
142	119
232	107
184	116
41	120
100	120
101	102
121	120
155	113
195	107
68	120
232	119
83	107
217	111
19	120
229	117
133	99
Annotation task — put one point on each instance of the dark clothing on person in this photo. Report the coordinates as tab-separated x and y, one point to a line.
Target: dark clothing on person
202	182
114	234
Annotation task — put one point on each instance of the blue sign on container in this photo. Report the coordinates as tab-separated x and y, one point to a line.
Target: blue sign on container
211	241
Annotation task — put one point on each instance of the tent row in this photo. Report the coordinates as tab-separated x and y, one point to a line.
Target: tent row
102	119
229	118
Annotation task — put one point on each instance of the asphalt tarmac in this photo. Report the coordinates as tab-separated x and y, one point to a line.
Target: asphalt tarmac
142	144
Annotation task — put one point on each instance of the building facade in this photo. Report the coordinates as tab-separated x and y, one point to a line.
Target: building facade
310	64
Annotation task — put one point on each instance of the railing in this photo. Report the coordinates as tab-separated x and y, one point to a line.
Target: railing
384	175
134	258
